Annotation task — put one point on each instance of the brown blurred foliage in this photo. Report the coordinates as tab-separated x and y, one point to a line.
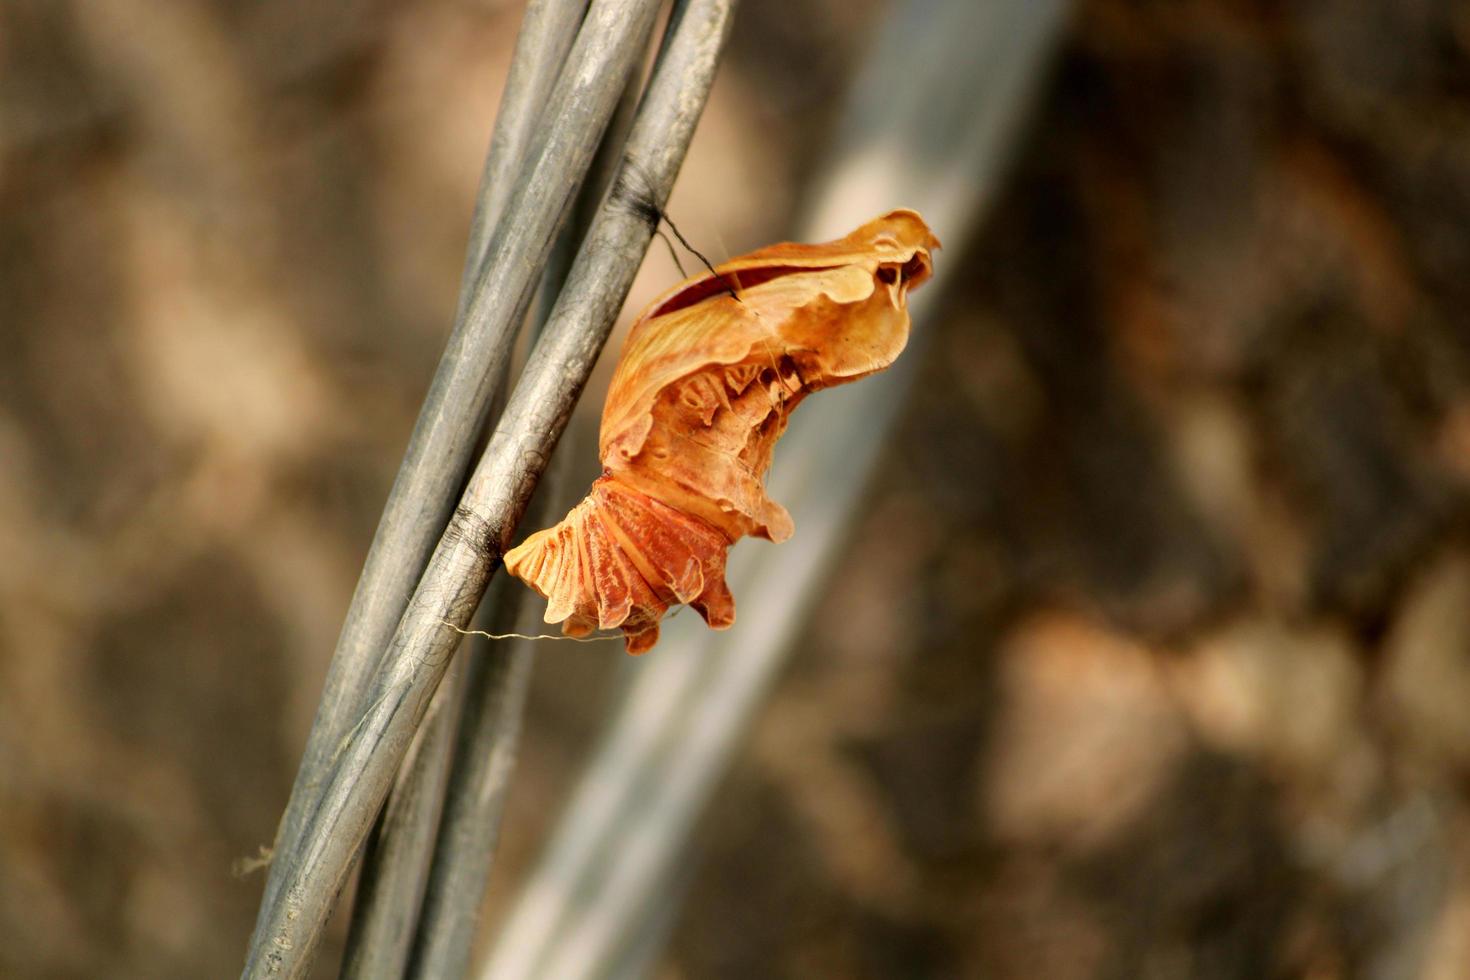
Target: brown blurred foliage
1152	655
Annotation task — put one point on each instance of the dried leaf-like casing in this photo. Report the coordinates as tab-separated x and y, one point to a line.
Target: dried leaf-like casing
708	375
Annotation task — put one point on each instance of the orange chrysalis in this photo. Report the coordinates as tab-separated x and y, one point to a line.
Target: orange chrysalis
707	377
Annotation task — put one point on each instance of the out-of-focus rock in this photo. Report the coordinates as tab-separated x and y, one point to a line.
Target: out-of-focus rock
1447	956
1286	695
1086	732
1426	684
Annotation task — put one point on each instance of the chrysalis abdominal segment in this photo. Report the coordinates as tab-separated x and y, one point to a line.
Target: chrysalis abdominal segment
707	378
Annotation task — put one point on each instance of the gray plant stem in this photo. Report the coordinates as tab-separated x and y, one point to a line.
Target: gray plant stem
497	683
596	70
548	29
439	451
390	887
929	125
455	578
394	878
499	677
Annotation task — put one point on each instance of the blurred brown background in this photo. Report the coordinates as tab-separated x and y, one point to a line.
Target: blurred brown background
1150	656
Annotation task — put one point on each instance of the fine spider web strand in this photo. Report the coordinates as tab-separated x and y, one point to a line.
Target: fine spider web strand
672	253
633	190
726	281
530	636
546	636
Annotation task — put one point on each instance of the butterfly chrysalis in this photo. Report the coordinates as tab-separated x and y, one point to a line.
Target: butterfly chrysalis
708	375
